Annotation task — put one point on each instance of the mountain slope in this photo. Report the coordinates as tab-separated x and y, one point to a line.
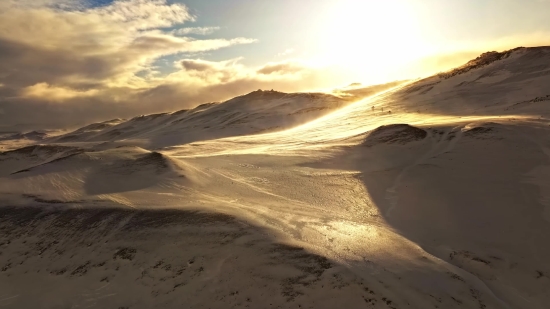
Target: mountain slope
256	112
509	83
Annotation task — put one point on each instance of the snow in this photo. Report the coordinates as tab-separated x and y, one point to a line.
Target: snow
432	194
256	112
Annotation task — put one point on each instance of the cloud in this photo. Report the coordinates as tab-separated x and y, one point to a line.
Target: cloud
196	30
144	14
196	65
43	90
281	68
63	63
201	73
106	45
160	44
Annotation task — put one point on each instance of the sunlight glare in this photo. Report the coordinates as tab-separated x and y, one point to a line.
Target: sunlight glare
372	37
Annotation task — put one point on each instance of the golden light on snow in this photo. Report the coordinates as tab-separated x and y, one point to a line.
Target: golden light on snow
339	127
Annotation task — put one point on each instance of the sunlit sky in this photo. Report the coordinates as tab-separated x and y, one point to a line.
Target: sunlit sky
67	62
372	38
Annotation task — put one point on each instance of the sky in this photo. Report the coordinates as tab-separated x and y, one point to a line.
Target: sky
65	63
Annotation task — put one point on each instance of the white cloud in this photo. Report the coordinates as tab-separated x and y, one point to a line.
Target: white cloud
144	14
195	30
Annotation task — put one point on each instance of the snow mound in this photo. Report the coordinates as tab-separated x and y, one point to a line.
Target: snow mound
87	173
122	160
394	134
487	130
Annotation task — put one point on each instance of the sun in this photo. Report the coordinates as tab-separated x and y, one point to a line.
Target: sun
372	37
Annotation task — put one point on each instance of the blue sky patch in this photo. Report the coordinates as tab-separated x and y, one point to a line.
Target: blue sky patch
97	3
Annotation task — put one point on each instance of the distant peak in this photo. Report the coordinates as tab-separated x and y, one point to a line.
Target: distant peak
260	91
264	94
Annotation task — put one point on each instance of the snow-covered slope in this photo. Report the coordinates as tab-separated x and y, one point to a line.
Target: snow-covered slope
433	194
257	112
515	82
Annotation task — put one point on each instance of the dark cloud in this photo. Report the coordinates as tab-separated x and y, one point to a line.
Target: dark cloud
23	65
194	65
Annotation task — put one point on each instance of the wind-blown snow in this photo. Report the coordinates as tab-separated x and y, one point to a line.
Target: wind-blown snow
433	194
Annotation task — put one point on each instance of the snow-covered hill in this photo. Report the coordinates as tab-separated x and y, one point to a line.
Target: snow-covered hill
432	194
257	112
515	82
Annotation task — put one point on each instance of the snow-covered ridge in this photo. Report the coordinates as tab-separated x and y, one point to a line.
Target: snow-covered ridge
514	82
483	60
256	112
